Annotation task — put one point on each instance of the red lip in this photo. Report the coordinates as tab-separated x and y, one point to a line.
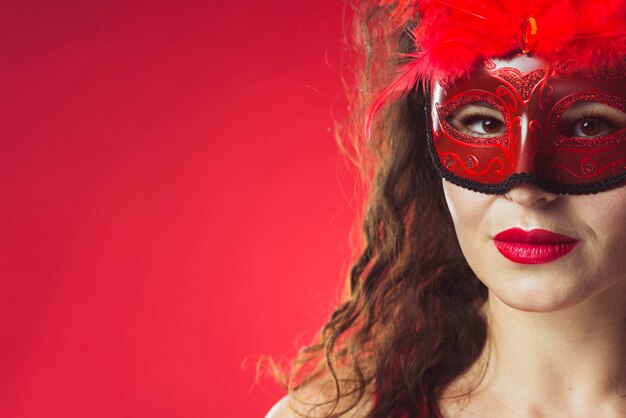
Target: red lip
536	246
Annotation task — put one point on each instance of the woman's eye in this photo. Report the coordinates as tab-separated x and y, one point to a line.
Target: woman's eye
478	119
591	127
486	126
590	120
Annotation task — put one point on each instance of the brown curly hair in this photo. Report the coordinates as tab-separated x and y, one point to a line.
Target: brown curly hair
412	321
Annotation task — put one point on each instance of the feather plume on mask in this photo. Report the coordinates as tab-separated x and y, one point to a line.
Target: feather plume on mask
454	36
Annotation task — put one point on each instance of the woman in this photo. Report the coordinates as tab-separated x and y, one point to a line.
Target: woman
493	285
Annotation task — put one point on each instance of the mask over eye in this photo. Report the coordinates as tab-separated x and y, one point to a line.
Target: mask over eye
517	121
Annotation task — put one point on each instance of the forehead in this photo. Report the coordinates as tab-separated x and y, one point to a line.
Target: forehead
528	79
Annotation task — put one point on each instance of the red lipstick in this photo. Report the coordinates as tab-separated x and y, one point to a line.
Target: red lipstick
536	246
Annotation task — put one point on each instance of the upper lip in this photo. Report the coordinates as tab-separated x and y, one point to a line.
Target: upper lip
536	236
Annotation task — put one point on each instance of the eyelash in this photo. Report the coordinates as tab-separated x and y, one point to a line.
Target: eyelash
590	114
467	120
475	117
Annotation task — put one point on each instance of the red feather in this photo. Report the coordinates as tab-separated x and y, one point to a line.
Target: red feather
455	35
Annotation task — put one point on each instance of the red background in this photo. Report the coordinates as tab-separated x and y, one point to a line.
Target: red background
173	204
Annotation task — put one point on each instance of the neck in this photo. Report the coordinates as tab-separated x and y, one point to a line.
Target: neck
580	348
571	361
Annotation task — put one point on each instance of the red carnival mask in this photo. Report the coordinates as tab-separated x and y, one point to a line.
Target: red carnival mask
518	121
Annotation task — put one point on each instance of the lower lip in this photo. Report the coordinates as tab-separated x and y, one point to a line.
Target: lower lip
533	253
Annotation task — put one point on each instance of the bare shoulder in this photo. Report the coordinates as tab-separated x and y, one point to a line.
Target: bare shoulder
281	410
317	400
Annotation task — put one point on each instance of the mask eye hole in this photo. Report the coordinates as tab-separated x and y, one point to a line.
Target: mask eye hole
475	117
588	119
478	119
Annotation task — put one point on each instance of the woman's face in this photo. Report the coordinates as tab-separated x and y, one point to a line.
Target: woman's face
511	126
531	279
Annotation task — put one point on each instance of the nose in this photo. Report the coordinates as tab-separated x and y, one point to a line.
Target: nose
529	195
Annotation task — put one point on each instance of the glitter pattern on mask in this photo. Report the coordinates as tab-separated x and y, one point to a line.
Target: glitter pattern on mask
523	83
471	162
448	162
589	167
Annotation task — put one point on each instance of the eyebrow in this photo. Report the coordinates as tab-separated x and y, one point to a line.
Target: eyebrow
597	107
480	103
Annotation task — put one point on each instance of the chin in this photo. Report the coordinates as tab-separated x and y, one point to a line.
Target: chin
539	298
535	305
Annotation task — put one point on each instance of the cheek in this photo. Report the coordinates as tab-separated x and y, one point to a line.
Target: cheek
605	213
469	214
467	207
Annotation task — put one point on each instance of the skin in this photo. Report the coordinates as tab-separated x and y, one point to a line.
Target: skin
556	329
